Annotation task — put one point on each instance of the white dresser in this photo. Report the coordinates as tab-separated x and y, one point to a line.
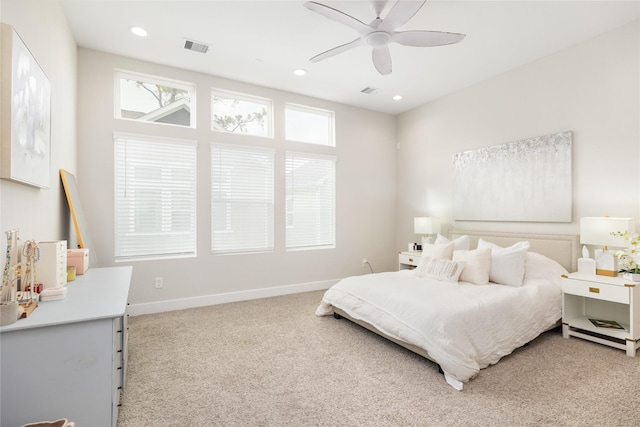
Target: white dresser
68	359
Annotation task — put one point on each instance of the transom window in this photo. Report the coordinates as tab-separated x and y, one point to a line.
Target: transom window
311	125
239	113
154	99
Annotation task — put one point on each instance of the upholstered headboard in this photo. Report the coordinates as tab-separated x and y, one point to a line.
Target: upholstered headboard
563	248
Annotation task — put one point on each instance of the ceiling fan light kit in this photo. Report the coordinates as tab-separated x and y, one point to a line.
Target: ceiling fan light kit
380	32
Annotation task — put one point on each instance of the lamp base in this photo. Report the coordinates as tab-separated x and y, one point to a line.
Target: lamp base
610	273
606	263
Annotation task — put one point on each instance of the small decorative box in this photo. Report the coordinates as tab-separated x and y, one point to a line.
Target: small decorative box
78	258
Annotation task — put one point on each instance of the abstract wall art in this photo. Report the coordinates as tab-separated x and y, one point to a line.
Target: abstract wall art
25	125
528	181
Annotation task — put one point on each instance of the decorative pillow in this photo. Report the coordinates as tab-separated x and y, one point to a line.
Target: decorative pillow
462	243
445	270
477	265
438	251
507	264
539	266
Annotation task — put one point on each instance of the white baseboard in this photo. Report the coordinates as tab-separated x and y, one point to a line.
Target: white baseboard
201	301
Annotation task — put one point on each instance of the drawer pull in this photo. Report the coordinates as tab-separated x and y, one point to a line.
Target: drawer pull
410	259
594	290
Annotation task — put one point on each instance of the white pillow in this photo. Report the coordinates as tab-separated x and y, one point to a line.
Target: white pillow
438	251
476	267
539	266
507	264
445	270
462	243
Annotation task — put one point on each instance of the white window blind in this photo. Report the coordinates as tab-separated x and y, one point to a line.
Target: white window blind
310	204
241	198
155	197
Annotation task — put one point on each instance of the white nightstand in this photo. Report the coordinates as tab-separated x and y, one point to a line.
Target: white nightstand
586	296
408	260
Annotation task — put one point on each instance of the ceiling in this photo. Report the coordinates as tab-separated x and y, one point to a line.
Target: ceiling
262	42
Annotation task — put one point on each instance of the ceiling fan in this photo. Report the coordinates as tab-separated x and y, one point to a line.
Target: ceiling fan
380	32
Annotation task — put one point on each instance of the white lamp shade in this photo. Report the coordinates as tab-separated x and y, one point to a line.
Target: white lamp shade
426	225
597	231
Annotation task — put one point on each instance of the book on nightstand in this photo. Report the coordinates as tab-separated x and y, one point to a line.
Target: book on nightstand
609	324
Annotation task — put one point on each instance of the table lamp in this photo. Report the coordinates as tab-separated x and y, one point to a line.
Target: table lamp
426	226
597	231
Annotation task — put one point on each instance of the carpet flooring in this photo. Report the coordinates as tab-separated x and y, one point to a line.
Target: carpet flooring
272	362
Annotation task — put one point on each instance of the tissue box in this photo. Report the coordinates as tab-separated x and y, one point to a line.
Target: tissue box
78	258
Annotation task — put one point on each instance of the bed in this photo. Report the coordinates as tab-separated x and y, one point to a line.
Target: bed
474	298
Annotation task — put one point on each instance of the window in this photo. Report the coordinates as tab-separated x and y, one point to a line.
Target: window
155	197
153	99
241	198
310	200
238	113
312	125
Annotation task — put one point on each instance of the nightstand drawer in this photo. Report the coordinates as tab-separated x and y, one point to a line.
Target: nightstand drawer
409	259
595	290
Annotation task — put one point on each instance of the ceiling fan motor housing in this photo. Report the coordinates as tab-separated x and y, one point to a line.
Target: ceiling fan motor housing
378	38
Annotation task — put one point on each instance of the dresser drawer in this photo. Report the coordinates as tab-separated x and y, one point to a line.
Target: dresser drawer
601	291
409	259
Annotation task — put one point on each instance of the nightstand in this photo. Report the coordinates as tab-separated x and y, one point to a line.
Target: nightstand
408	260
586	296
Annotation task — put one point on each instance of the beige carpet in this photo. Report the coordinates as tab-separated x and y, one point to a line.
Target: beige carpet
272	362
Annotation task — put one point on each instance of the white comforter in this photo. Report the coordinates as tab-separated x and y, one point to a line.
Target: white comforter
463	327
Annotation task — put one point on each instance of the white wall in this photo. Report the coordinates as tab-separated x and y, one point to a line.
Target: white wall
591	89
42	214
365	215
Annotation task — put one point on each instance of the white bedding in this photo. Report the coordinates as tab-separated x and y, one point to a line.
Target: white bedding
464	327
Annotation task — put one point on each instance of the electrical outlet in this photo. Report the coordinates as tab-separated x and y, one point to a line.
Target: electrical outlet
159	282
364	262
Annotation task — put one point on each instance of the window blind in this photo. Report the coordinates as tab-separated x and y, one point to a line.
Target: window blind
155	197
241	198
310	204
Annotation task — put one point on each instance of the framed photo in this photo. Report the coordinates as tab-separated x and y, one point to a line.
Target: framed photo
25	125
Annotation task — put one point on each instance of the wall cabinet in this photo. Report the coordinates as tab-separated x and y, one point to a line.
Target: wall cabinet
68	358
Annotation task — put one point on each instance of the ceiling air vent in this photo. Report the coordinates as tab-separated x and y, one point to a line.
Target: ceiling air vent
196	46
370	90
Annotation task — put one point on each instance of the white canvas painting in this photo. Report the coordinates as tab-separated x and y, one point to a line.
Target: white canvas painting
527	181
26	137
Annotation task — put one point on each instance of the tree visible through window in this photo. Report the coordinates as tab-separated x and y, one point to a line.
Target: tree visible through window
239	113
151	99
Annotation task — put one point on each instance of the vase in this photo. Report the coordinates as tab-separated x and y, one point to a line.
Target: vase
8	312
635	277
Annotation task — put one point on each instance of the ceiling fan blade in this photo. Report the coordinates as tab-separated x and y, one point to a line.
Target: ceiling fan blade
336	50
400	14
336	15
382	59
426	38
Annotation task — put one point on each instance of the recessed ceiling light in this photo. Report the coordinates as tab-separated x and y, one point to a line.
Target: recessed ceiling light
299	71
139	31
397	97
